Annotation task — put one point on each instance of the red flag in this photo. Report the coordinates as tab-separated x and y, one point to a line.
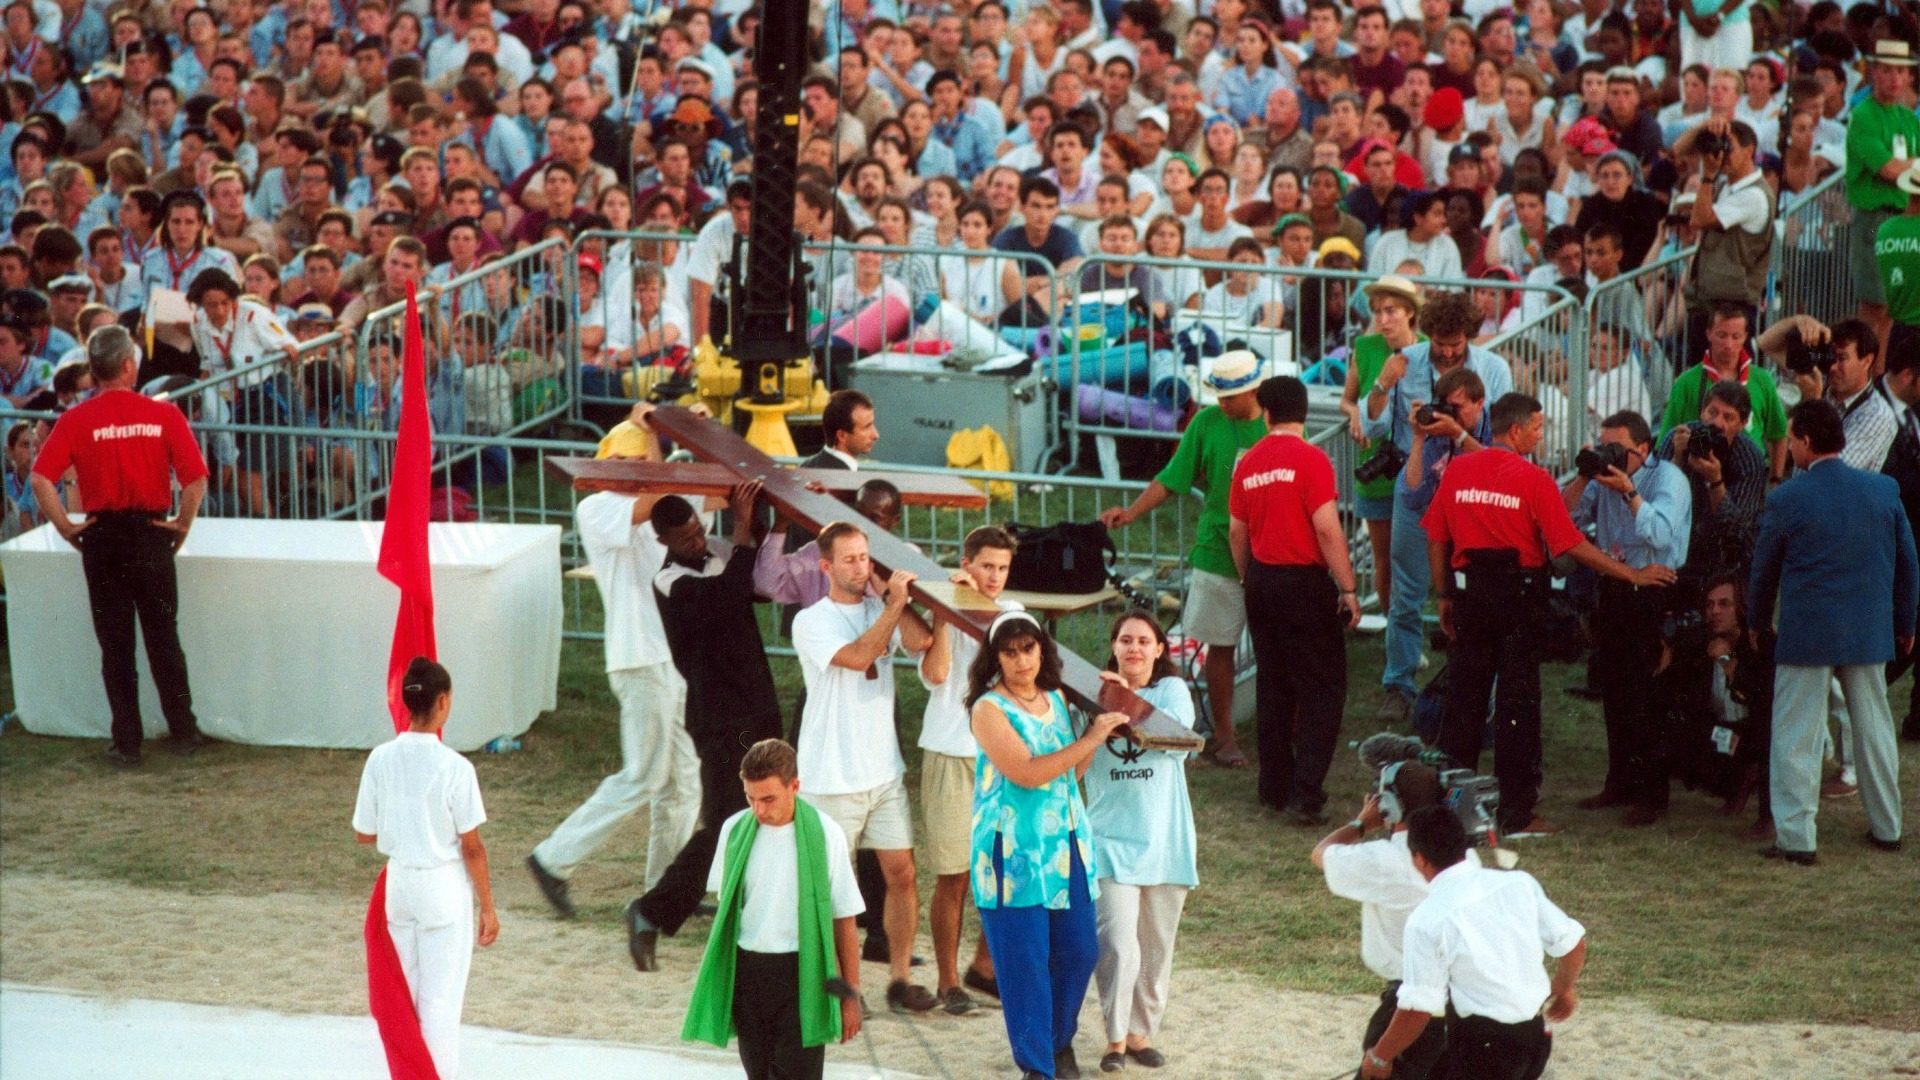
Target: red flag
403	561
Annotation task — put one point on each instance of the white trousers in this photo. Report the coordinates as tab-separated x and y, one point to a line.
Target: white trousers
430	918
1799	726
658	770
1137	924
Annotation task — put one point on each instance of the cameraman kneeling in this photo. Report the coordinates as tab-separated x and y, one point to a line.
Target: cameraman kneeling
1642	511
1718	682
1474	949
1381	876
1727	472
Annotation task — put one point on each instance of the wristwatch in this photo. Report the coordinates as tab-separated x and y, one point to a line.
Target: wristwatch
1377	1061
1358	826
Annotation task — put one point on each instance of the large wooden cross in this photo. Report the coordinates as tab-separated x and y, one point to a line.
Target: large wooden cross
719	448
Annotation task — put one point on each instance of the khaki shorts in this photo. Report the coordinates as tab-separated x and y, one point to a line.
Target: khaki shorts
1216	609
946	805
877	818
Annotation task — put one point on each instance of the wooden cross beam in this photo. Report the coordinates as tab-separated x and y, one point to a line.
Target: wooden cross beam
634	477
787	490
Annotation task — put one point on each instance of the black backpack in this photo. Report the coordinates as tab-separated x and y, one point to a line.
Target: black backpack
1067	557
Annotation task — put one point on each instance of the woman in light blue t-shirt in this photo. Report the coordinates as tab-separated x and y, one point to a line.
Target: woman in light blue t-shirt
1142	821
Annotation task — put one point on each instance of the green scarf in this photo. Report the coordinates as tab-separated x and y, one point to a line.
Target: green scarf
710	1012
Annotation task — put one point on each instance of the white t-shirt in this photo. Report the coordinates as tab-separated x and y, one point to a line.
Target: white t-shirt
1743	205
1439	256
847	740
711	249
1379	874
947	726
418	796
625	558
1199	236
770	888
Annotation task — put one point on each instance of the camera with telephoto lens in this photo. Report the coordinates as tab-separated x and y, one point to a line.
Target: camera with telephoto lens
1708	144
1805	359
1426	414
1704	440
1386	462
1596	460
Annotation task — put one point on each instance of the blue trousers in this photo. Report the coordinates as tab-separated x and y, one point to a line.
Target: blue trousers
1043	960
1405	628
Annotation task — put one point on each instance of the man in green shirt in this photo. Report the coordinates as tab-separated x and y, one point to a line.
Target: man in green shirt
1215	611
1897	250
1728	359
1883	138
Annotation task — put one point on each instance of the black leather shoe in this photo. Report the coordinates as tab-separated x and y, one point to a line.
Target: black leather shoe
1148	1057
1300	815
188	746
553	888
1113	1061
1797	858
641	939
1064	1066
123	759
986	984
1883	845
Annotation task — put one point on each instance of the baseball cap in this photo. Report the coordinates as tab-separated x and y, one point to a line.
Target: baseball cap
314	312
1157	115
68	282
1588	138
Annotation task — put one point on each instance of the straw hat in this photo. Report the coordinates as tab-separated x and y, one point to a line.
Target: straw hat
1234	372
1893	51
1395	286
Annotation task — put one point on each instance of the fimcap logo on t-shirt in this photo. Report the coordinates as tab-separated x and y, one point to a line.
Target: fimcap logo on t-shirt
1490	498
126	431
1271	476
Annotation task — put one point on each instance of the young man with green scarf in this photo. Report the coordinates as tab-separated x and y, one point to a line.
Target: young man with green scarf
784	928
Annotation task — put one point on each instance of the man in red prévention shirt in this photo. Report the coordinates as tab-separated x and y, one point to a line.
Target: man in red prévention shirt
1495	521
1291	553
127	451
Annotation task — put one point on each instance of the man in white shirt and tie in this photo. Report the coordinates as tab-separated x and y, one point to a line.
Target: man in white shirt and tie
1473	950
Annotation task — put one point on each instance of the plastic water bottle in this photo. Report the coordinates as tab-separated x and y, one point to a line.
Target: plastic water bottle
505	744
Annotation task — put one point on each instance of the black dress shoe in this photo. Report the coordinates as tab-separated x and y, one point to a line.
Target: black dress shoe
1148	1057
1797	858
1064	1066
1300	815
553	888
986	984
1113	1061
1883	845
122	758
641	939
189	746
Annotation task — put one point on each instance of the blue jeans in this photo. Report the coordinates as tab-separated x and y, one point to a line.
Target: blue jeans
1043	960
1411	580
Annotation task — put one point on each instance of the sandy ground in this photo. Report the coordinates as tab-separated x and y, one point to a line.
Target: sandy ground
301	954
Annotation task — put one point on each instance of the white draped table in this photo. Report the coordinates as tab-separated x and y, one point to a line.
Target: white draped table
286	627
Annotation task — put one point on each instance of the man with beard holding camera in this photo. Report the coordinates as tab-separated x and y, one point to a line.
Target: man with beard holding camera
1728	475
1837	364
1493	525
1641	509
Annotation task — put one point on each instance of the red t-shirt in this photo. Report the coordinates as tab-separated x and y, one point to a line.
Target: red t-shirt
1498	499
1277	486
126	450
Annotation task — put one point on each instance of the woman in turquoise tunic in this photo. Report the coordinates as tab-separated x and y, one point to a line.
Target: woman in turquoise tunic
1033	857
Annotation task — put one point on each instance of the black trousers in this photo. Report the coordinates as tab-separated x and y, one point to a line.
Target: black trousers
1419	1061
766	1018
128	562
674	897
1497	623
1895	669
1625	654
1483	1049
866	864
1300	680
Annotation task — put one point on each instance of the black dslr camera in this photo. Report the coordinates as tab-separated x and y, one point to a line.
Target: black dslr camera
1805	359
1596	460
1705	440
1387	461
1426	414
1709	145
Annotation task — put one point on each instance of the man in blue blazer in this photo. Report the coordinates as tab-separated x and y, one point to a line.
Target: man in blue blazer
1836	549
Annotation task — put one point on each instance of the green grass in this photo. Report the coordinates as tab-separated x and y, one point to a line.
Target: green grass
1683	915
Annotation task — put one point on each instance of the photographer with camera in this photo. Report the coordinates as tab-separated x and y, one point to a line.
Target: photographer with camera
1380	875
1728	476
1449	320
1735	227
1457	424
1493	525
1728	359
1837	364
1474	950
1641	511
1716	678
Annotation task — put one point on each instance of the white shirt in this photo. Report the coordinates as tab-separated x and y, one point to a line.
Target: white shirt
625	558
251	336
1743	205
947	726
1479	938
1439	256
770	887
419	798
851	462
1379	874
847	740
711	249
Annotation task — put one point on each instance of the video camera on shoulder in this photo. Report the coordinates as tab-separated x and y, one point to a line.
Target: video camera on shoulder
1596	460
1427	414
1705	440
1805	359
1472	798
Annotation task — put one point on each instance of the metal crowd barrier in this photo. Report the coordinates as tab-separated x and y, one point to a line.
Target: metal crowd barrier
1809	265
